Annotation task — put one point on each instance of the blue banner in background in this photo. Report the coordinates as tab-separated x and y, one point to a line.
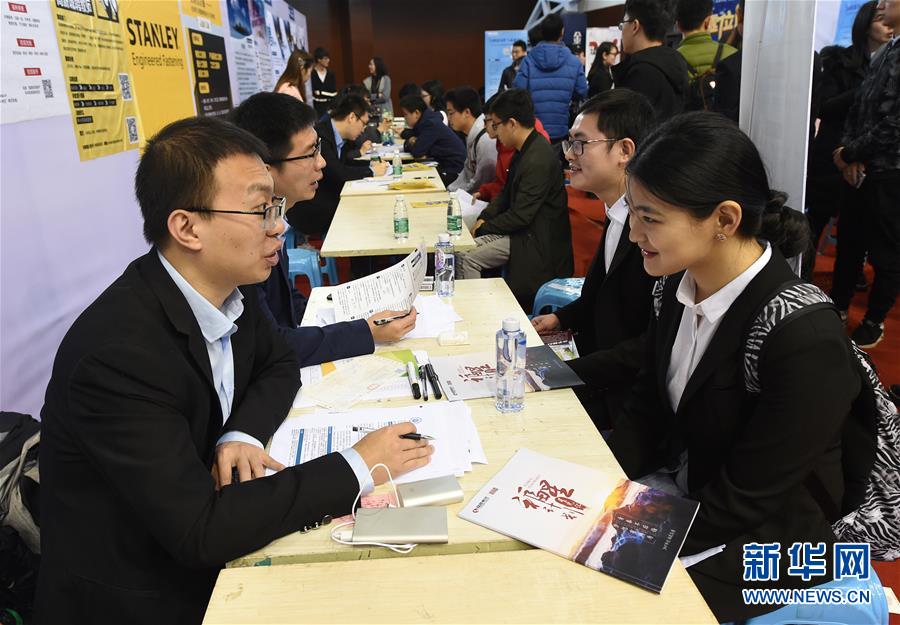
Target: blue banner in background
497	56
846	15
724	18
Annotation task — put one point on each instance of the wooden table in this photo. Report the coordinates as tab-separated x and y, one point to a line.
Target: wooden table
364	225
387	155
515	587
430	173
479	575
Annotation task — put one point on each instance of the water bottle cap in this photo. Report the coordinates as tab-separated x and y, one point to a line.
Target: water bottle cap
510	324
443	237
400	198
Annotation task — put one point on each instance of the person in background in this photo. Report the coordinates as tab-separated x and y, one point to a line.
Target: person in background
379	85
280	123
297	71
170	381
517	52
464	113
554	77
702	212
843	70
324	84
427	135
698	48
649	67
433	94
611	316
492	189
408	88
869	158
727	100
578	51
600	77
347	120
374	130
527	225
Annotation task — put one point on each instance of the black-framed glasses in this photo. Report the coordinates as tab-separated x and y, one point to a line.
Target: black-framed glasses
495	124
577	145
623	22
316	151
270	213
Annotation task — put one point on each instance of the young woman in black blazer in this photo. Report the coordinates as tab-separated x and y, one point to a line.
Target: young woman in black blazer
702	213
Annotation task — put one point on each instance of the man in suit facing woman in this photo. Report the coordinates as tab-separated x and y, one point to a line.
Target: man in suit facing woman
702	213
281	122
170	380
611	315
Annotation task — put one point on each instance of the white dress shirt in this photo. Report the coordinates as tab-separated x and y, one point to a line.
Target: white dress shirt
617	214
699	322
217	325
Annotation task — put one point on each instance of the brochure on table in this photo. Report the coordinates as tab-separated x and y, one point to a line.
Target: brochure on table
612	525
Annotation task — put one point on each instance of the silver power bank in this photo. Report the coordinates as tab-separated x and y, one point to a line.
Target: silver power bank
437	491
399	526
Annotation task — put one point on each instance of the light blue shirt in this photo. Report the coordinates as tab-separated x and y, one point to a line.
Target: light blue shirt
217	325
338	139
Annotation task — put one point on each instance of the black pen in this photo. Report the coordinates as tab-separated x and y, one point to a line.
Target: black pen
387	320
435	383
424	383
415	436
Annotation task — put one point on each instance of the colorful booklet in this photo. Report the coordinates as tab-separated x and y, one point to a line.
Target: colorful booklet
562	342
611	525
471	376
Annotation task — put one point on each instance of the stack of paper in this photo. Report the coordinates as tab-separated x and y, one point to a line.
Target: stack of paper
456	441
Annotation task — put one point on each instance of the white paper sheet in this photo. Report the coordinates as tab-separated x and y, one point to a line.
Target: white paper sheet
348	385
470	211
394	288
300	439
393	384
434	316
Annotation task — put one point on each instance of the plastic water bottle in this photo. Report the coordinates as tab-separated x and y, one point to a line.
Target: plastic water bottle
401	219
510	367
454	217
398	165
444	265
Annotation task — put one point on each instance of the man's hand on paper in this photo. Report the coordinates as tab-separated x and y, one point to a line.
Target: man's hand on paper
545	323
476	196
379	168
395	330
400	455
250	461
476	226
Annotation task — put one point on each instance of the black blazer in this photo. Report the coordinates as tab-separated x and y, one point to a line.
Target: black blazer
132	528
749	455
610	319
313	217
533	210
283	306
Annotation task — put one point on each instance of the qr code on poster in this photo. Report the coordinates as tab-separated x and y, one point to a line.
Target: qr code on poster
131	126
125	85
48	88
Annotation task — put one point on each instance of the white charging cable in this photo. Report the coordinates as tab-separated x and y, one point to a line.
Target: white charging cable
345	537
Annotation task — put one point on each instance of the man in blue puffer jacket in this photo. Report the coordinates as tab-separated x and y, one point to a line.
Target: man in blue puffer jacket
554	76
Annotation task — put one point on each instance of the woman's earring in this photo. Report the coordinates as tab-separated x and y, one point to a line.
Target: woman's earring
720	237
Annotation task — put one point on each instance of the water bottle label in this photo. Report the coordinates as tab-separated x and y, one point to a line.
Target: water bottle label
454	223
439	261
401	225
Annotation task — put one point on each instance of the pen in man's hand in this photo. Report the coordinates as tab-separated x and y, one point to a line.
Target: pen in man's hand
386	320
412	436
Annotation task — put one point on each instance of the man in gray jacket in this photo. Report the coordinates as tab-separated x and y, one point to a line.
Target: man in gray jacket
464	115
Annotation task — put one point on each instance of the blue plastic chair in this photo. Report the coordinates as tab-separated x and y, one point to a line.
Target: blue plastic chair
302	260
875	613
298	260
556	294
828	238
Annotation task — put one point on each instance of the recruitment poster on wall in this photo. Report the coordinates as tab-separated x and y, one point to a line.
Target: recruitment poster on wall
243	66
96	70
498	56
596	36
212	85
279	34
207	12
32	83
158	63
261	44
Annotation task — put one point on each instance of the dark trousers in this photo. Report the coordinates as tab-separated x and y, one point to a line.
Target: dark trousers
870	221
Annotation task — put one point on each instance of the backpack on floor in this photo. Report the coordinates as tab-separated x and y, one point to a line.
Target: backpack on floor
870	445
